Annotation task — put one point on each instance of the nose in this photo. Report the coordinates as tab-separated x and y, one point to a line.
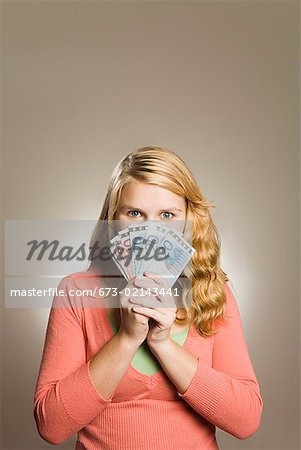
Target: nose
151	217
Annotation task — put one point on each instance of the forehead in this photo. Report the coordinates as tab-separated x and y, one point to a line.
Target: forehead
138	193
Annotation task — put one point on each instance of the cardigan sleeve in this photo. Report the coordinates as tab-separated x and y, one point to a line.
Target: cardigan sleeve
65	398
227	394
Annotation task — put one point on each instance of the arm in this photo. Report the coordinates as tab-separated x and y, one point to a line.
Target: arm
65	382
226	394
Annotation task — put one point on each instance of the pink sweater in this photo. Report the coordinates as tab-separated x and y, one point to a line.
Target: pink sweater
145	411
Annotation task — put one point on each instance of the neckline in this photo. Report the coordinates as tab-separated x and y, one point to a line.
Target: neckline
132	372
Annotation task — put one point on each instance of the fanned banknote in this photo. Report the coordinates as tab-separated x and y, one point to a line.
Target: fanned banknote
151	246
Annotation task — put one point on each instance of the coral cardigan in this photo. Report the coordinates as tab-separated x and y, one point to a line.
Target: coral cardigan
145	411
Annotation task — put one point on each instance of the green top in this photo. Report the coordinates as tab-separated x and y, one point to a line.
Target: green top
144	360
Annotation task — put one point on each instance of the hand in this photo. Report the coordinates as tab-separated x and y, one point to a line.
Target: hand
161	316
133	327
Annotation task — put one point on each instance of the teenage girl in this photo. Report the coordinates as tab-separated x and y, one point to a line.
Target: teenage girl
128	375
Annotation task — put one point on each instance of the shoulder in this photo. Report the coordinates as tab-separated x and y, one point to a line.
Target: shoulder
84	289
66	282
70	288
77	292
231	319
83	280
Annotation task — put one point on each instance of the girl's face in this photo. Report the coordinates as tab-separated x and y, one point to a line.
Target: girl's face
142	201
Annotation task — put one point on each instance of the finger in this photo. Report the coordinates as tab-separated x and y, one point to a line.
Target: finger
125	295
148	287
160	287
157	278
166	299
145	282
164	294
149	300
148	312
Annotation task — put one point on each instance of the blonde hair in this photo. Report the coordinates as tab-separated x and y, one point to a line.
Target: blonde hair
163	167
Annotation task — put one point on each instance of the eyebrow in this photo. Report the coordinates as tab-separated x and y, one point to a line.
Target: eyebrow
160	210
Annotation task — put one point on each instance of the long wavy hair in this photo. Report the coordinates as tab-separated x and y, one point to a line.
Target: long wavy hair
206	290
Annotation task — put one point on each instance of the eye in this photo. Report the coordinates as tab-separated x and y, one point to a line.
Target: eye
133	211
167	212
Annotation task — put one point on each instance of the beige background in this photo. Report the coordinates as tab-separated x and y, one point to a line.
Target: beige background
85	82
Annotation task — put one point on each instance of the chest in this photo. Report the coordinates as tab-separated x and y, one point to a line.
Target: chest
134	384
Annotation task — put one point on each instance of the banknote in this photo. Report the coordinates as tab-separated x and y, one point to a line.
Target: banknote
151	246
116	250
137	234
126	260
153	239
179	254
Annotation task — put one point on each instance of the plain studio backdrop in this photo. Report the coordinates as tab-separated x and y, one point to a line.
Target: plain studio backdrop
84	82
